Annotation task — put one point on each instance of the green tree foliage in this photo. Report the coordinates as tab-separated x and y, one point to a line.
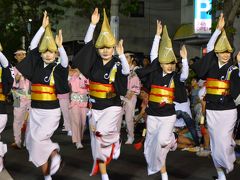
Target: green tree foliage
84	8
20	18
23	18
231	11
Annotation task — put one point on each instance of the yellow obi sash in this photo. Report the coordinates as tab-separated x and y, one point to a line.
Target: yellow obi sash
42	92
100	90
161	94
217	87
2	96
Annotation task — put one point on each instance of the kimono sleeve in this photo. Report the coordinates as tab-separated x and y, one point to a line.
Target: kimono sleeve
121	82
202	66
27	66
146	71
85	59
7	80
235	84
61	79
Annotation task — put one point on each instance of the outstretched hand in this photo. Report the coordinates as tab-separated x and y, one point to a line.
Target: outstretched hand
183	52
45	21
95	17
221	22
59	38
119	48
159	28
238	57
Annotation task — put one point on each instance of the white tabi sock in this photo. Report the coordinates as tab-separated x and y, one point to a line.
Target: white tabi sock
48	177
1	164
105	177
55	164
221	175
164	176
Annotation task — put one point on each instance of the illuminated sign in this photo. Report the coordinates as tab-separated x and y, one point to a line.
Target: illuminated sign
202	20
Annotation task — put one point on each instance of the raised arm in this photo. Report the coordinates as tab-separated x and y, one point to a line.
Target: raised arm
94	20
3	60
61	50
238	61
36	39
185	67
155	46
122	57
213	39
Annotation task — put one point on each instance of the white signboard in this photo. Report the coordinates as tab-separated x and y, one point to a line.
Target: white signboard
202	20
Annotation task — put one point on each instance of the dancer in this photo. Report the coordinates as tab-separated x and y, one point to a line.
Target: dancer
78	106
107	76
222	85
130	100
164	84
22	100
48	79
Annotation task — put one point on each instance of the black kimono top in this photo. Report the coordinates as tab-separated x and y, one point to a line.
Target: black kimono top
91	66
32	67
208	68
6	83
153	75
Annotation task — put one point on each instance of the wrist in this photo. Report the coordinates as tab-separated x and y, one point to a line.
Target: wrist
94	24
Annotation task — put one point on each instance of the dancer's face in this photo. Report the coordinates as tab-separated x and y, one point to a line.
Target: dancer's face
224	57
49	57
106	53
168	68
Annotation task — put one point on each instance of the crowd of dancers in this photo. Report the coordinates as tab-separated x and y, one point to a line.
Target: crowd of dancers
103	83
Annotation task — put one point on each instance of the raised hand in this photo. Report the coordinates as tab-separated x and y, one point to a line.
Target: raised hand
183	52
238	57
45	21
59	38
221	22
95	17
159	28
119	48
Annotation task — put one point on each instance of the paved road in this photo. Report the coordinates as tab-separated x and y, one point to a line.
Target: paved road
130	166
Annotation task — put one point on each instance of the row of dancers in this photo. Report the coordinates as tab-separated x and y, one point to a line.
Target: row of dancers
105	85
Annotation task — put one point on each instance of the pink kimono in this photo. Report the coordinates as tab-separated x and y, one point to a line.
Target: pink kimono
22	102
134	86
78	105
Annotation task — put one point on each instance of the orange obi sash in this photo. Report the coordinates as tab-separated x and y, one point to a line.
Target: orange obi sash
217	87
41	92
2	96
100	90
161	94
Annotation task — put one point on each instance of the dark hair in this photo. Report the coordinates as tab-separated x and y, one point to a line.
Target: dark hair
132	54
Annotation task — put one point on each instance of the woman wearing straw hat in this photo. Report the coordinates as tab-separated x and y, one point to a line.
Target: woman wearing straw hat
163	84
48	79
107	76
222	86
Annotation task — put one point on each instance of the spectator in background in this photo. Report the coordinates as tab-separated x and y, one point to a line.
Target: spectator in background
130	99
22	100
146	62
